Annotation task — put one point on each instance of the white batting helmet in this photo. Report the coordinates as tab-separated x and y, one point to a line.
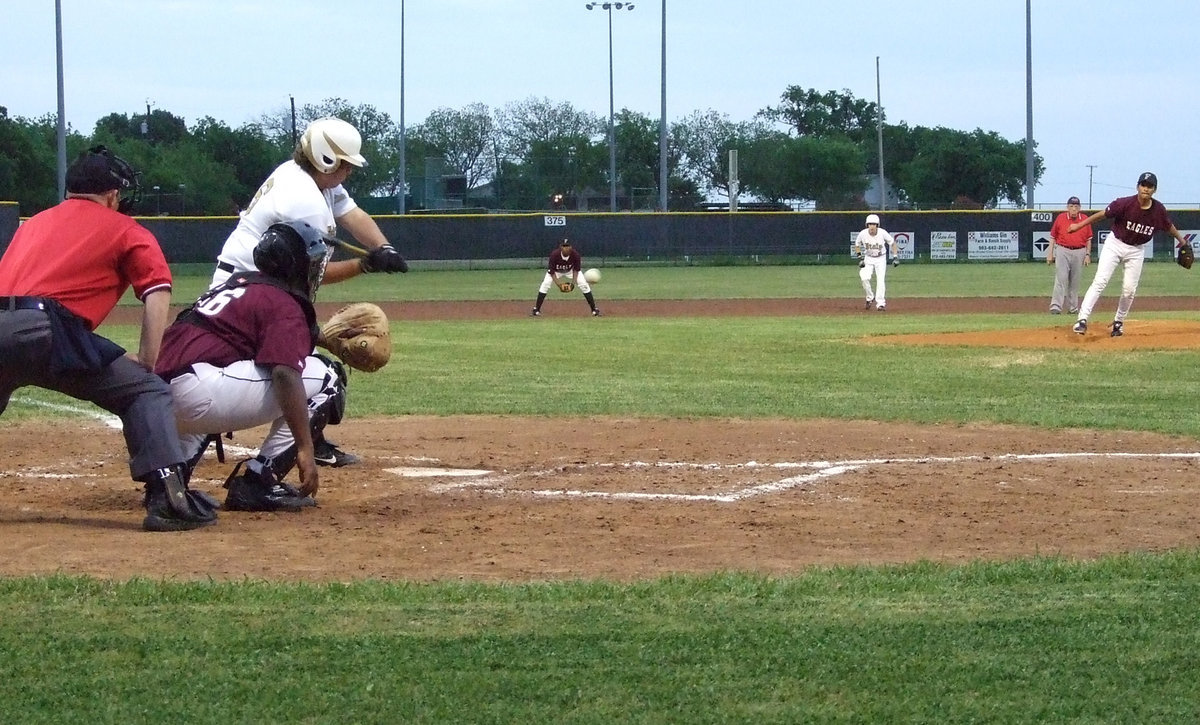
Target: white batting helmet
329	141
872	219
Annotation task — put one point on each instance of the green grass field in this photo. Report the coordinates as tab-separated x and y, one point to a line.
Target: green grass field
1041	640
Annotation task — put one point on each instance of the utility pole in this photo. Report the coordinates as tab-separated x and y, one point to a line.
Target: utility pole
1091	168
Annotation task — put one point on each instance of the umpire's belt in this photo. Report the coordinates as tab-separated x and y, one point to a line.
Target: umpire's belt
13	302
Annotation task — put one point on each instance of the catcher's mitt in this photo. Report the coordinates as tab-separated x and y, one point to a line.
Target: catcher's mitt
565	286
1186	256
358	334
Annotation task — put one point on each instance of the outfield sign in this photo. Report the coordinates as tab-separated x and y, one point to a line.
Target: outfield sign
993	245
943	245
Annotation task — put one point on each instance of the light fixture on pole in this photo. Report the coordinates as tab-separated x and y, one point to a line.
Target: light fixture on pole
612	135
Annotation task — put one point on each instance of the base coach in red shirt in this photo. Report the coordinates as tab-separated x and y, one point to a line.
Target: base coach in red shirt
64	271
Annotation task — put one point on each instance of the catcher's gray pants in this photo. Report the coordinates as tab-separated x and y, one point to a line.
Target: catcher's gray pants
1068	271
241	395
124	388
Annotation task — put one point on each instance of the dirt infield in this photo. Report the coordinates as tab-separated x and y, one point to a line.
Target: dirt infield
497	498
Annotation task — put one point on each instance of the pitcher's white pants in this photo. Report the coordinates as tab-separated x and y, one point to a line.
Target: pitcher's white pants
1115	253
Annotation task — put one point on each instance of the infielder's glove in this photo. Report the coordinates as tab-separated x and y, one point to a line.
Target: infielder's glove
566	286
861	262
1186	256
358	334
384	259
895	261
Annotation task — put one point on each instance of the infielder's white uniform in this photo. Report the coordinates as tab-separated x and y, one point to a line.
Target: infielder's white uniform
288	194
874	248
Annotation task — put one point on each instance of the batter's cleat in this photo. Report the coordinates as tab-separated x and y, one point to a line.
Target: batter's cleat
535	312
1117	330
328	454
1080	327
596	312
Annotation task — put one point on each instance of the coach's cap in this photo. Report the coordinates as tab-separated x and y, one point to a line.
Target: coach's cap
1148	179
1073	200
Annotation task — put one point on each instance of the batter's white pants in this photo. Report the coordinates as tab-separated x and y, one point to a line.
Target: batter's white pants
239	396
878	267
552	279
1115	253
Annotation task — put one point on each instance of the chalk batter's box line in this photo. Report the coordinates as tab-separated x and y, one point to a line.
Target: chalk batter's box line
498	485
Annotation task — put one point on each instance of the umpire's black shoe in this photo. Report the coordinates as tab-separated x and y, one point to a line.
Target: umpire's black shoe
171	506
252	491
328	454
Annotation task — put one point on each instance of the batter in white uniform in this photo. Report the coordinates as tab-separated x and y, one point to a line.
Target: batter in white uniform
871	246
309	189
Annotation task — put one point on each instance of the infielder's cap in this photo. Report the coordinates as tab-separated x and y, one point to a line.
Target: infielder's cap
93	173
1073	200
1148	179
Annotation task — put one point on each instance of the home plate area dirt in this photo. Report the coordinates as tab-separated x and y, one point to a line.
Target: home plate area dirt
522	499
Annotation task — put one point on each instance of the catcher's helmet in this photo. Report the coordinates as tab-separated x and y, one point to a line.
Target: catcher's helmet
294	253
98	171
327	142
872	219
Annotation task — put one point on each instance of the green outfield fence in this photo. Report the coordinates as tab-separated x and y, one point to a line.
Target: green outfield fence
796	237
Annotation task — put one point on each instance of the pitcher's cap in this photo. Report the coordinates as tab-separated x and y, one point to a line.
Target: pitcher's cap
1148	179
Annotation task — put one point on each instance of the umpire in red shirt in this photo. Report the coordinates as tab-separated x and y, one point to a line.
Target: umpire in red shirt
64	271
1069	252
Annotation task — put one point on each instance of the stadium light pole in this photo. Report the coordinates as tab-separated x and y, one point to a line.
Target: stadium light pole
662	123
403	182
612	134
61	132
1030	181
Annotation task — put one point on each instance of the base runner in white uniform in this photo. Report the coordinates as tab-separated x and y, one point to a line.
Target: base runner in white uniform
872	246
308	189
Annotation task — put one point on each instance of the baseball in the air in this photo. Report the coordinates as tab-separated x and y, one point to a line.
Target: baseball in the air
592	275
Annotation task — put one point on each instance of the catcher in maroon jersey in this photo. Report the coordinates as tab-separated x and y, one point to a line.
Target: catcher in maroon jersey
562	271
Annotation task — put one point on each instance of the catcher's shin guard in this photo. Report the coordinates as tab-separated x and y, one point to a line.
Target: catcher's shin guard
171	506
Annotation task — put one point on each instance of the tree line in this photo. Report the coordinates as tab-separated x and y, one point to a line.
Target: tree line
812	147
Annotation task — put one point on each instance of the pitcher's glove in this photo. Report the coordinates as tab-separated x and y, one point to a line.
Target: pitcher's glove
566	286
358	334
1186	256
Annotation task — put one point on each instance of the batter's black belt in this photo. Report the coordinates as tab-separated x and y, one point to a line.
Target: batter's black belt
226	267
14	302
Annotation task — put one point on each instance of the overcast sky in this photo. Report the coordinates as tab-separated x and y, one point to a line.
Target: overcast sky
1114	83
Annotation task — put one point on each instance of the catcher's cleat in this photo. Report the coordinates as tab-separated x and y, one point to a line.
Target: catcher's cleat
596	312
1117	330
261	491
1080	327
535	312
328	454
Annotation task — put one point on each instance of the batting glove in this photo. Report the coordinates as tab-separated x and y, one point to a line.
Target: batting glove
384	259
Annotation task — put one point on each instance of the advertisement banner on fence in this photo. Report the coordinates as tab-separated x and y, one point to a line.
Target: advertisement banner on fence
943	245
993	245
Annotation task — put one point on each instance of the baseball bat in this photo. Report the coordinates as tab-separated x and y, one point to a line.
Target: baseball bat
351	248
